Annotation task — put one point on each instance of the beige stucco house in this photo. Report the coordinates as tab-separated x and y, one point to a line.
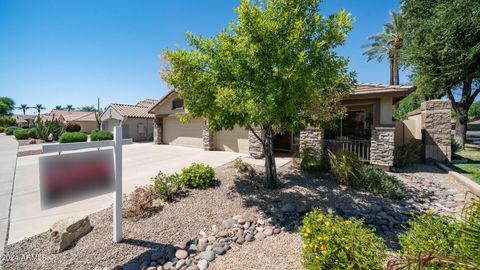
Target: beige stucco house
368	128
86	120
135	120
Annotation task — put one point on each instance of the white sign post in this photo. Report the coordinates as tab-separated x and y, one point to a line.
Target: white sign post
117	143
117	203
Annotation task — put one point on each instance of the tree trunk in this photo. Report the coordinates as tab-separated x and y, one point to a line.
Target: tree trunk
270	167
461	123
391	71
396	76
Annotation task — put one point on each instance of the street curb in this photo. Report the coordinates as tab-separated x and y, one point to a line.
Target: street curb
461	179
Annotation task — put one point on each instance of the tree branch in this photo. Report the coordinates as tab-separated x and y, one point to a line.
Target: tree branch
452	98
256	135
473	96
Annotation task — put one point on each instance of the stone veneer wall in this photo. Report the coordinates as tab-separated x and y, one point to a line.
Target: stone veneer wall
382	146
157	129
208	138
313	137
254	145
436	130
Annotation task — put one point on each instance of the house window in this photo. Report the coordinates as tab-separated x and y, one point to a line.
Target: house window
141	129
355	126
177	103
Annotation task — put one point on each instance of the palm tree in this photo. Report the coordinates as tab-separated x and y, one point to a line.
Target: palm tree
58	107
39	108
23	107
388	43
69	107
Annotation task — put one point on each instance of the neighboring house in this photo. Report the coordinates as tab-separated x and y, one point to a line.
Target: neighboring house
367	129
86	120
135	120
24	120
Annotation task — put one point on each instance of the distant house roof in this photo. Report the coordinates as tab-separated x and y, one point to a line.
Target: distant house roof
70	116
140	110
23	118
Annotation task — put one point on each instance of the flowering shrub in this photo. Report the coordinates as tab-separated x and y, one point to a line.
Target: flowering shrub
334	243
167	186
198	176
72	127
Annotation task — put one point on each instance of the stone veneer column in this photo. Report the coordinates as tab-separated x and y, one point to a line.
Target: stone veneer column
313	137
208	138
157	129
436	130
382	146
254	145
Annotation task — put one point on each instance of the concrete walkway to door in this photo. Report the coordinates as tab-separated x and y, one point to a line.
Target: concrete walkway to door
8	159
141	161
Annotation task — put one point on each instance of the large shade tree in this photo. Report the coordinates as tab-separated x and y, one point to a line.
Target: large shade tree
443	47
273	69
6	106
388	44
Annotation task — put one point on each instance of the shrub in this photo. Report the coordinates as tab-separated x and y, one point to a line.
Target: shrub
310	158
167	186
379	182
139	203
69	137
10	130
237	163
198	176
45	128
23	134
428	232
346	166
408	154
456	146
334	243
72	127
101	135
2	129
7	121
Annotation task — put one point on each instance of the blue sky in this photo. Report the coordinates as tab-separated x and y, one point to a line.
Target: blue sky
71	52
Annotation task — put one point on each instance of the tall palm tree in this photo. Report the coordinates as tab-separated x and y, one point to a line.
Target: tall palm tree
388	43
58	107
39	108
69	107
24	108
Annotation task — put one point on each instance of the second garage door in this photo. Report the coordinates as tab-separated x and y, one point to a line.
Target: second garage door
178	133
235	140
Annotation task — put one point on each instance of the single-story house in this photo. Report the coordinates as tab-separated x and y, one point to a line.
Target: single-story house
368	128
86	120
135	120
24	120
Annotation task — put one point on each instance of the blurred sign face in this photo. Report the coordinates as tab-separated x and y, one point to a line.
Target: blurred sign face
72	177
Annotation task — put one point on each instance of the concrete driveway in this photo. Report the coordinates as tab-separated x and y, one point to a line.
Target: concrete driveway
140	162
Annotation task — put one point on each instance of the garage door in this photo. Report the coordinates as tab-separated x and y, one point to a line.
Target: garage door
235	140
178	133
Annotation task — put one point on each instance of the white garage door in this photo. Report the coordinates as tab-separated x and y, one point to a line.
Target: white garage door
178	133
235	140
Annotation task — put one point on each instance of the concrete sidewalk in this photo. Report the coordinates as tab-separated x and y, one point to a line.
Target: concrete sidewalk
8	160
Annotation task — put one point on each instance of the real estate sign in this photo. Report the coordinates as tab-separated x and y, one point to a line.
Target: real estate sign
72	177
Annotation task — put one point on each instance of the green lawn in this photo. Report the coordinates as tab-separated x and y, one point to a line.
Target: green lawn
472	168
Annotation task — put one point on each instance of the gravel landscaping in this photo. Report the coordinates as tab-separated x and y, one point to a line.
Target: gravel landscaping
178	222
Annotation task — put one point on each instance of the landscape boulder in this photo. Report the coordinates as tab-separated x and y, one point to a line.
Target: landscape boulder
64	232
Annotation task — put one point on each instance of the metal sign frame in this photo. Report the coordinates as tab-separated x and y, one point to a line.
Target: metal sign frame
116	143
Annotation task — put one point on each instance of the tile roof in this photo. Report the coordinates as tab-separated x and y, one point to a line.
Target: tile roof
372	88
73	115
135	111
147	103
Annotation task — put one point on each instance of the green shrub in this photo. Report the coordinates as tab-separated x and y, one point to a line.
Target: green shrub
72	127
334	243
198	176
167	186
346	166
45	128
408	154
378	182
7	121
10	130
428	232
237	163
456	146
23	134
101	135
2	129
69	137
310	158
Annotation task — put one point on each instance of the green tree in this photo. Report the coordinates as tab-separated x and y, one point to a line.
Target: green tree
474	111
442	46
87	109
6	106
39	108
388	44
24	108
274	69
